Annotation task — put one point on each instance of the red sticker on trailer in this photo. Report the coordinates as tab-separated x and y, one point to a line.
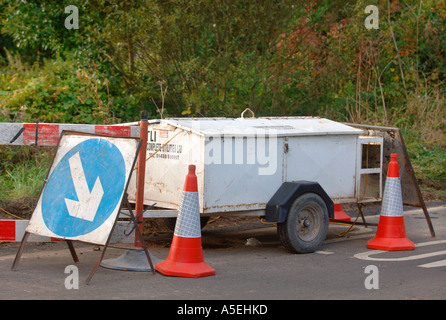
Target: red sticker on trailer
164	134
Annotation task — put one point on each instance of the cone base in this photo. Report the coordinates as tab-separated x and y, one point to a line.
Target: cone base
131	260
390	244
186	270
339	214
185	259
342	216
391	235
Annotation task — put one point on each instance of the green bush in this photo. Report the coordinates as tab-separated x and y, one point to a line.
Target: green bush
57	91
22	172
207	58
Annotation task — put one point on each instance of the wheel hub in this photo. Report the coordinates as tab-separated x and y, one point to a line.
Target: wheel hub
308	224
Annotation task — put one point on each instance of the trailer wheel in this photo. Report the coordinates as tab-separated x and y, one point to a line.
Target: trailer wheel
306	225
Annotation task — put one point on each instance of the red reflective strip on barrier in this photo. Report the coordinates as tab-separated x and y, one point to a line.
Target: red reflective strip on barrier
117	131
7	230
48	134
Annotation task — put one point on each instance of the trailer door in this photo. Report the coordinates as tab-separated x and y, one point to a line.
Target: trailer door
369	169
329	160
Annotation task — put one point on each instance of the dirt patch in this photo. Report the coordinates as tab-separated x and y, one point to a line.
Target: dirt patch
155	226
432	190
22	208
157	233
220	222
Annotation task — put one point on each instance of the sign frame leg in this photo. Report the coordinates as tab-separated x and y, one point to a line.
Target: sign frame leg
72	251
20	251
135	222
22	248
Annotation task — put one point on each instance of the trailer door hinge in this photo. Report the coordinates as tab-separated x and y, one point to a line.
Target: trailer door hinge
285	148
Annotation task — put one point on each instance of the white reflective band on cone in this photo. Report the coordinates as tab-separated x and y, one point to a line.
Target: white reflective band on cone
188	221
392	205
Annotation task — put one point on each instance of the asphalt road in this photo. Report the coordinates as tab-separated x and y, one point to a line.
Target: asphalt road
339	270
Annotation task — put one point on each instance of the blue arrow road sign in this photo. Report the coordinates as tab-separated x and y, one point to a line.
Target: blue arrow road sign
84	188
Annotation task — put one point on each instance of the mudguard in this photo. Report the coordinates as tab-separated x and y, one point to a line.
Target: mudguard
280	203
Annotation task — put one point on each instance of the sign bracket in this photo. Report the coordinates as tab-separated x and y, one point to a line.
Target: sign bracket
135	223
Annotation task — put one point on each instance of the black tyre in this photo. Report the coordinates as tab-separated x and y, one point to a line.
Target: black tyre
306	225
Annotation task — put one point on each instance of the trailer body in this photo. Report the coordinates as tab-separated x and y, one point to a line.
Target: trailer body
241	163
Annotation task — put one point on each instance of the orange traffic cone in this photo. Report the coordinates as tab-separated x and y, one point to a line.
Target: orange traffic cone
186	253
391	233
339	214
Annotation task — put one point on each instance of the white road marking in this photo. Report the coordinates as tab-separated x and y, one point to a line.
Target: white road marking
367	255
441	263
324	252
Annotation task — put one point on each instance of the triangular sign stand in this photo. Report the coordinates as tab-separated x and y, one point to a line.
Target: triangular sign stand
38	221
394	143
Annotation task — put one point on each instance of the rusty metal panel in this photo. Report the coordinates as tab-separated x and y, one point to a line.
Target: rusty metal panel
82	194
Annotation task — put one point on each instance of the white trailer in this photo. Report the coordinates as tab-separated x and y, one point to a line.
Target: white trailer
290	170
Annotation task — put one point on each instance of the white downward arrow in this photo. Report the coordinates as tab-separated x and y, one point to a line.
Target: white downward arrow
88	203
